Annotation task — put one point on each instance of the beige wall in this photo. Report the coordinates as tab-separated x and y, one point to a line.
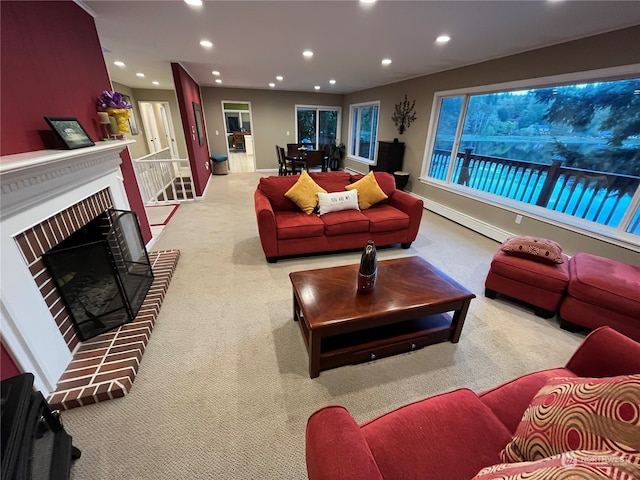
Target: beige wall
169	96
139	148
272	112
607	50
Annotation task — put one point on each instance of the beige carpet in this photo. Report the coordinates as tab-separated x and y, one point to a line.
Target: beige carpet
160	214
223	390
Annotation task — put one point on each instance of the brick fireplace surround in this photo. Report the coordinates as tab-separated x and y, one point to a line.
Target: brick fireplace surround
46	196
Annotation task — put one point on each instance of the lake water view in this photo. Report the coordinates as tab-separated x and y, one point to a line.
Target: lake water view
539	149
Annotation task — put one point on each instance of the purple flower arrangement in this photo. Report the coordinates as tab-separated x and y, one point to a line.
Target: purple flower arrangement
110	99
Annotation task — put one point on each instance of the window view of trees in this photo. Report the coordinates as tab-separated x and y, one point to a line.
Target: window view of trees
317	125
574	149
364	130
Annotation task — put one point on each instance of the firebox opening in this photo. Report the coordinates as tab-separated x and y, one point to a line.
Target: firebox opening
102	272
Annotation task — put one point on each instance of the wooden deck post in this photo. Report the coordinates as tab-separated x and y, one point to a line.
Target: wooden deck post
465	176
549	183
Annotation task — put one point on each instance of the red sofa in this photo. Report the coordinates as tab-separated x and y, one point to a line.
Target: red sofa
453	435
285	230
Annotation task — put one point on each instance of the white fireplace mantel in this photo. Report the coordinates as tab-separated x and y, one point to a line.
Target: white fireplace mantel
35	186
29	178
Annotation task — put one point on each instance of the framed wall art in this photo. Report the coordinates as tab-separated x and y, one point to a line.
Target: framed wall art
69	130
197	110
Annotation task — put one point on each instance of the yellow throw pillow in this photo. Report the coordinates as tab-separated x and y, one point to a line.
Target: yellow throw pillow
369	192
304	193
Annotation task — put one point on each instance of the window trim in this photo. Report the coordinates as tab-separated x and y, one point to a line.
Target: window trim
592	229
357	158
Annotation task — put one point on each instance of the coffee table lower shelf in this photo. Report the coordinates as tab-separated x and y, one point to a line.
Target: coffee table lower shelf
373	343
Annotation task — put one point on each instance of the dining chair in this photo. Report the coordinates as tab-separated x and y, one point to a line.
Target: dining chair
238	141
292	149
290	166
315	159
327	155
282	169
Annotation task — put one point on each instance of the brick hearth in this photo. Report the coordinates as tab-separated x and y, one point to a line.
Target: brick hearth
105	366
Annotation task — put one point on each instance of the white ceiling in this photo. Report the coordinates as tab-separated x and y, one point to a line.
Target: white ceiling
256	40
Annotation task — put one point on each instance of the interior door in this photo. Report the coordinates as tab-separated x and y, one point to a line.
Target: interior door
237	119
168	128
150	127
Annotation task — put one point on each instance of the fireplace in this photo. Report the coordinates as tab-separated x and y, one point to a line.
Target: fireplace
46	196
102	272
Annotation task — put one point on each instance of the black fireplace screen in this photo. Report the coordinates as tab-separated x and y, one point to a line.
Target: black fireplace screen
102	272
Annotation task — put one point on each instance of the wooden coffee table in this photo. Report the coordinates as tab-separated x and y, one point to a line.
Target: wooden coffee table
407	311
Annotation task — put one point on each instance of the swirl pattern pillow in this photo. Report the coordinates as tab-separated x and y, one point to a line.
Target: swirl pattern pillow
537	249
579	414
575	465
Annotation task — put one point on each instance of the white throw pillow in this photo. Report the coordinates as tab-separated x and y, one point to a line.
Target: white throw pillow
334	202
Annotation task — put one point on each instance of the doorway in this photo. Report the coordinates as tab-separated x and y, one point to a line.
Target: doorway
239	135
158	127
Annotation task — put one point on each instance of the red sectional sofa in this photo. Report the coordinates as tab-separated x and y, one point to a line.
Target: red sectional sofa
453	435
285	230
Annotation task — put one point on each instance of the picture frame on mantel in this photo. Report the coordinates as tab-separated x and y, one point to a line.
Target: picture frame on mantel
70	131
197	110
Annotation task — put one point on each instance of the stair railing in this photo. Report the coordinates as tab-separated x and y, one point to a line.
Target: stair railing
163	179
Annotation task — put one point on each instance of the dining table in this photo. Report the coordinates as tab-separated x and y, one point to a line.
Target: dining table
300	162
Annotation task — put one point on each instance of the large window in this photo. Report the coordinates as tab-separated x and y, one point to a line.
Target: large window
572	151
317	125
363	131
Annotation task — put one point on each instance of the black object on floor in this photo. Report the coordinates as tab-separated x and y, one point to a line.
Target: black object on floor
34	442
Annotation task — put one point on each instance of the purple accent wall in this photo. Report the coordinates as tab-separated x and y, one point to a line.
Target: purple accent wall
52	65
8	367
188	92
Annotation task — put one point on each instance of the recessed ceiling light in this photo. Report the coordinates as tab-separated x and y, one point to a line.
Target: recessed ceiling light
155	82
139	74
443	39
367	1
317	87
307	53
216	73
206	43
218	80
386	61
119	64
279	78
332	81
194	3
272	84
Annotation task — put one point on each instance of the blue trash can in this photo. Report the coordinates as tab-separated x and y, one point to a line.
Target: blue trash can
219	165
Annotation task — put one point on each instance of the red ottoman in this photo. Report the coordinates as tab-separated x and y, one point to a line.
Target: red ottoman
602	291
540	284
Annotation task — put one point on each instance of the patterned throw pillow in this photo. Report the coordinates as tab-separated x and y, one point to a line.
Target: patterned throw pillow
304	193
579	414
369	192
338	201
574	465
533	248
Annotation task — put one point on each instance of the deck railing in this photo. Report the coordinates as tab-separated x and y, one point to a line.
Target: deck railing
162	179
600	197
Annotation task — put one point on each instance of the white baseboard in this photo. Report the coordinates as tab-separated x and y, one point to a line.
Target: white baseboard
483	228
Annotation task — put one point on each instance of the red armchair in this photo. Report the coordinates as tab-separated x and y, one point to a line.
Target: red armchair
453	435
